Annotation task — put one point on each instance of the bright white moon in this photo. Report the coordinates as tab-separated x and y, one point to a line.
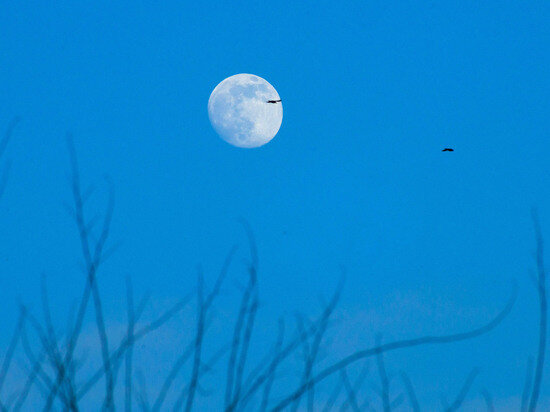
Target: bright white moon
239	111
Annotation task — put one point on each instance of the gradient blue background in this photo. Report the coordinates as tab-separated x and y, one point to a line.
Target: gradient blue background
372	92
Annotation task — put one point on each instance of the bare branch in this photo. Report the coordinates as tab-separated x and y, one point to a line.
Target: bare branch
410	392
31	378
352	395
11	348
262	372
205	306
223	274
397	401
234	363
92	260
543	316
333	396
3	144
125	344
53	350
318	338
142	396
198	344
527	384
488	400
250	318
130	339
55	361
385	393
7	136
273	366
408	343
463	391
204	368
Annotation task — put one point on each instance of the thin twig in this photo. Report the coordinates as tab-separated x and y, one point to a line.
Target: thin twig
385	393
333	396
352	395
543	316
357	386
142	396
53	349
178	364
125	344
198	345
408	343
55	362
415	406
7	136
130	351
397	401
3	144
318	338
31	378
180	361
262	371
230	399
11	348
463	391
269	382
92	260
488	400
527	384
247	335
204	368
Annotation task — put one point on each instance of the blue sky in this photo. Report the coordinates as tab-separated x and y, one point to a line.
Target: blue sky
372	92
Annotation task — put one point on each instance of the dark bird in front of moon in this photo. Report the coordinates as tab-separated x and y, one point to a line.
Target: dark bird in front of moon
273	101
448	149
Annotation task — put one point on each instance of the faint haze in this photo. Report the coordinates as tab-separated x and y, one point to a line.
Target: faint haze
354	186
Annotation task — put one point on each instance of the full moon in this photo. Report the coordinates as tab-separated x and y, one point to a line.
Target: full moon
239	111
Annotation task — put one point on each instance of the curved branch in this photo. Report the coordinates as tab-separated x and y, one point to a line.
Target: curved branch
408	343
543	318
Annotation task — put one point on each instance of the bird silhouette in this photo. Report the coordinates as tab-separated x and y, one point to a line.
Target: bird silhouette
273	101
448	149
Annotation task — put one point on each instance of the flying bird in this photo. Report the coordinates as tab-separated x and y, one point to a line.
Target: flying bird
448	149
273	101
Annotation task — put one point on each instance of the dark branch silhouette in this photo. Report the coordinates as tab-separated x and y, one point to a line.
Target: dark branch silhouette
385	392
333	396
130	338
243	329
31	378
273	367
53	361
11	349
3	145
543	316
317	339
203	309
92	260
415	406
7	136
198	344
409	343
488	400
352	394
463	391
527	383
257	377
125	344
